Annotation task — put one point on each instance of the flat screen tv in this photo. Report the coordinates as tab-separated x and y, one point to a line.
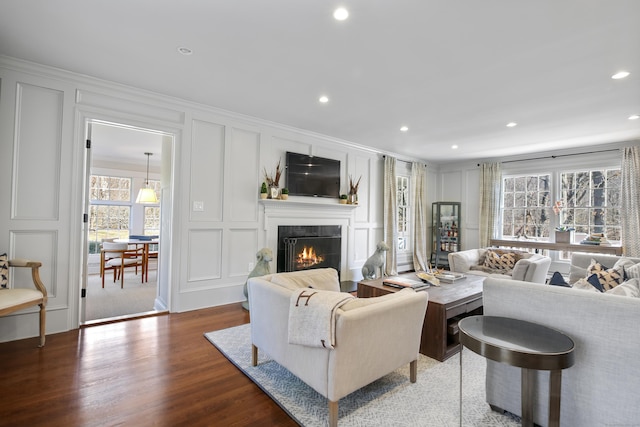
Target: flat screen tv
312	176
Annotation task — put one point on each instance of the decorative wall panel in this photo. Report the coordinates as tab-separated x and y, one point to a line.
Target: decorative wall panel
206	168
243	245
204	255
244	148
38	129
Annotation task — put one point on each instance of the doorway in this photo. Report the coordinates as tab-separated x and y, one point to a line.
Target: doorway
120	160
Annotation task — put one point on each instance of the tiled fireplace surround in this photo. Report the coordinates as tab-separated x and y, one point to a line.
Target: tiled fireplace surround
277	213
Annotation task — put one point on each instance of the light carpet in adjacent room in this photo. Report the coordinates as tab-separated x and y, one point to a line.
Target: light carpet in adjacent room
113	301
389	401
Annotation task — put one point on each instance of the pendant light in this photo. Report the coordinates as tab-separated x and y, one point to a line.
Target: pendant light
146	194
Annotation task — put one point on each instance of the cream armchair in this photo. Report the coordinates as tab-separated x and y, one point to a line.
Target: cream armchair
374	336
18	298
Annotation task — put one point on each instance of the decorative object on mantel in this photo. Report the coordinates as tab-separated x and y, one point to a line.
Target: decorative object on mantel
353	191
263	257
343	199
563	233
284	194
375	263
273	181
263	191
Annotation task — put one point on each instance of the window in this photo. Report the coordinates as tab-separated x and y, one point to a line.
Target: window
526	206
155	184
109	210
152	220
402	184
590	201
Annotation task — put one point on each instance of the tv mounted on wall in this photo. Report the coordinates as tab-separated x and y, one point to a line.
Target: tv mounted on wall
312	176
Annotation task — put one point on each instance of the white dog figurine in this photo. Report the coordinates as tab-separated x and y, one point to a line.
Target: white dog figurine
375	262
263	256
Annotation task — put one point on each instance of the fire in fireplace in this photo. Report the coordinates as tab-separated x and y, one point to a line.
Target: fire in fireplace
308	246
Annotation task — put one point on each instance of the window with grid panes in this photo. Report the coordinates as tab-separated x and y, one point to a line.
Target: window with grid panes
591	201
109	210
526	206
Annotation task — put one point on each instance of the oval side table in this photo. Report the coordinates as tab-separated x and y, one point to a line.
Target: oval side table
526	345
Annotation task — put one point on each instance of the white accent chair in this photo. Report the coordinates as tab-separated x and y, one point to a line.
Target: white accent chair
18	298
374	336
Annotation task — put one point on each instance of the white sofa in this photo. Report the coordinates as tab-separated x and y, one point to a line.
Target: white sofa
602	386
374	336
531	268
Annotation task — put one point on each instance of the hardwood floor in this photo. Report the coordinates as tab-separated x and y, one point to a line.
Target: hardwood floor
156	371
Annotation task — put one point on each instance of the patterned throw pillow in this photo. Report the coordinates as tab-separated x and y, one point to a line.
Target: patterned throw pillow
609	277
4	271
497	259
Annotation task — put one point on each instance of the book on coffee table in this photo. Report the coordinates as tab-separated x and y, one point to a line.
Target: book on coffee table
404	282
450	276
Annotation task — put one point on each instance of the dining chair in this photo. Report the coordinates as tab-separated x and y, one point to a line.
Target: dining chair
117	256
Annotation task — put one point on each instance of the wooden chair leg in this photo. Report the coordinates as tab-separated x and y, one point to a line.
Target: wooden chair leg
413	371
43	322
254	355
333	414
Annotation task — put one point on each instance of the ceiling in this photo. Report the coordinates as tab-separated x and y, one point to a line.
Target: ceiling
453	72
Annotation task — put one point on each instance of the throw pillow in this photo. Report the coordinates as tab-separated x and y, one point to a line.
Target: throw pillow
582	284
608	277
558	280
594	280
497	259
630	288
633	271
4	271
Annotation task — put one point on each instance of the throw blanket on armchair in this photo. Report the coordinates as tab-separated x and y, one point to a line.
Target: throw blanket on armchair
312	316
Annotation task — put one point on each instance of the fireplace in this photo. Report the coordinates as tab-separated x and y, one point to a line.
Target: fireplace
304	247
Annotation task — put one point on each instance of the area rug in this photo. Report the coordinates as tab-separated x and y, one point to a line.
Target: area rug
392	400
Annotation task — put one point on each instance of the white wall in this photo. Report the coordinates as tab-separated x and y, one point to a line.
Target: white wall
215	157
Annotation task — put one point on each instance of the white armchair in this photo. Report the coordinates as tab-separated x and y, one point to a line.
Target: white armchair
374	336
530	268
18	297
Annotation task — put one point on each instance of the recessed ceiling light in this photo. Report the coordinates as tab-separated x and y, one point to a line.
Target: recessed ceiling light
634	117
512	124
454	147
404	129
620	75
185	50
341	14
323	99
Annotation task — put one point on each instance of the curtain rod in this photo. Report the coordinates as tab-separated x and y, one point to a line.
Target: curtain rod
560	155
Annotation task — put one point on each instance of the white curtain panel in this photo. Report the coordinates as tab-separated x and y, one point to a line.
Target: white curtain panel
490	192
419	215
631	201
390	215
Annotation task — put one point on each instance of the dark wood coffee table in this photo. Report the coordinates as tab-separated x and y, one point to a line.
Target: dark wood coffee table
448	303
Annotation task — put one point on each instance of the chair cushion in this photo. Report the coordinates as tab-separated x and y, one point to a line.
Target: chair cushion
4	271
321	278
13	297
116	262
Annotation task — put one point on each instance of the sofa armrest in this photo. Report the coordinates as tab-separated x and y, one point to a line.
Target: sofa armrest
373	340
461	262
533	269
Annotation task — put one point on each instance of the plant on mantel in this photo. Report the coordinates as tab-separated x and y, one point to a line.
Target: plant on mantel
353	190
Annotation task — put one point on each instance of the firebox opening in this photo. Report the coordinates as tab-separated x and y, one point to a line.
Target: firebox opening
307	247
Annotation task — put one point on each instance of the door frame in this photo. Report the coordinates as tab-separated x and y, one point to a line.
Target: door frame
167	206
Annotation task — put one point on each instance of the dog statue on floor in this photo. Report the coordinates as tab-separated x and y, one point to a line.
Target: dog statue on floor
375	262
263	257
